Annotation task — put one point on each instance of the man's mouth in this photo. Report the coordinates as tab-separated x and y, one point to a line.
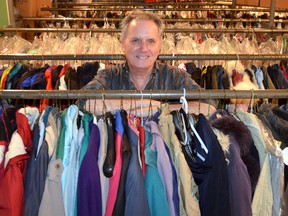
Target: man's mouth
142	57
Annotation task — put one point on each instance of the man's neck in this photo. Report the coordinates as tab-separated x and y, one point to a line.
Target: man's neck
140	78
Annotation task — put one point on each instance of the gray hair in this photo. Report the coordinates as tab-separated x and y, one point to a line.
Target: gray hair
140	15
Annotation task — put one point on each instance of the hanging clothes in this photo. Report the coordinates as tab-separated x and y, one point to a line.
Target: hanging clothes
89	199
120	202
262	202
12	203
163	163
115	179
136	197
52	201
239	188
102	152
37	165
187	188
158	202
213	170
69	175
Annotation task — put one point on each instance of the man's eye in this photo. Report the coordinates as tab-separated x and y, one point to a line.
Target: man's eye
135	41
151	41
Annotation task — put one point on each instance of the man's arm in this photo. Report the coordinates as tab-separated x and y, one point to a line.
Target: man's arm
96	106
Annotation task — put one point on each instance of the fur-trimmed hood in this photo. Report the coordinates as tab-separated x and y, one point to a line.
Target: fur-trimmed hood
242	135
229	125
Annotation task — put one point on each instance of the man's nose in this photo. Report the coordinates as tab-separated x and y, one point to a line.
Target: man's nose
144	46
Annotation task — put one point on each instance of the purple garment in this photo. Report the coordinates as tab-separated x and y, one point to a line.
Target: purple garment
240	188
89	200
162	161
175	183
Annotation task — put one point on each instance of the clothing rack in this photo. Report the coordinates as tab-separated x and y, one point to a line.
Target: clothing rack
139	4
165	9
75	30
198	20
145	94
263	57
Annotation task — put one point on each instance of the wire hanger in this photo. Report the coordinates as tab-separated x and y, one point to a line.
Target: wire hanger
141	109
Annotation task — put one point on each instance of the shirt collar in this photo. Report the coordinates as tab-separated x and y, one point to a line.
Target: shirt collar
155	67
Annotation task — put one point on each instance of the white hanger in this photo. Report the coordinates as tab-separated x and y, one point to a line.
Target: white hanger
191	122
203	146
183	101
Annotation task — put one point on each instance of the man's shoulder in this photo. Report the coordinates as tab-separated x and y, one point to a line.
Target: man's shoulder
167	68
113	67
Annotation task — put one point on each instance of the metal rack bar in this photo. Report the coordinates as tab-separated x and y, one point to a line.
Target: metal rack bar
165	9
272	13
59	19
146	94
164	57
75	30
139	4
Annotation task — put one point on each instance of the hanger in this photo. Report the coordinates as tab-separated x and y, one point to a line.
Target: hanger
150	109
235	106
131	102
141	109
199	104
183	101
121	101
104	104
251	103
224	100
209	103
191	124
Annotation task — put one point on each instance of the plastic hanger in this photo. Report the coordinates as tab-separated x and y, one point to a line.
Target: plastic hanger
251	105
183	101
191	123
203	146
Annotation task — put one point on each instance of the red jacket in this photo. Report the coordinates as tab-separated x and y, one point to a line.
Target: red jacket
12	184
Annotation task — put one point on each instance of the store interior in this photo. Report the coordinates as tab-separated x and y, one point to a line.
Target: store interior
243	43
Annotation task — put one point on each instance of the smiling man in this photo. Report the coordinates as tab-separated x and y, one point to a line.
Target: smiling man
141	39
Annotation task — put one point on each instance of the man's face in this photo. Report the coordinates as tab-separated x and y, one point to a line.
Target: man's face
142	44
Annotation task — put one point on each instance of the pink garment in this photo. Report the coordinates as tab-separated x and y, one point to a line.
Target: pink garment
141	131
115	179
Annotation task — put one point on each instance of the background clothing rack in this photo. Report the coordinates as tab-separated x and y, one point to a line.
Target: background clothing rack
139	4
165	9
197	20
267	57
75	30
145	94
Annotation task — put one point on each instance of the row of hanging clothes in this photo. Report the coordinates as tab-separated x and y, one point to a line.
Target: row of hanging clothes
78	43
71	162
195	13
226	75
239	75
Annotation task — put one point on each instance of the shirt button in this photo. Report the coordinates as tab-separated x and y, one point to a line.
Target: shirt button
57	166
